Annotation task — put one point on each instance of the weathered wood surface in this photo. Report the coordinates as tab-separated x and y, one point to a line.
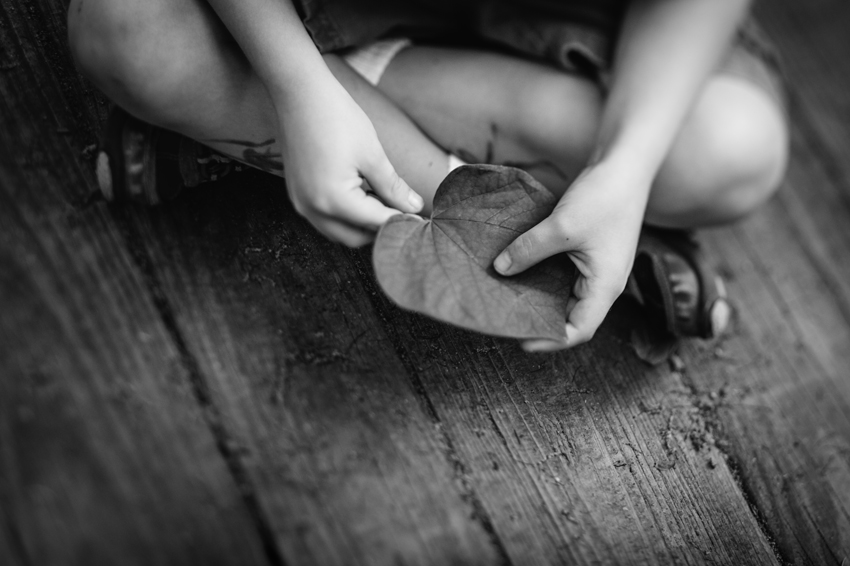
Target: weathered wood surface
106	456
211	382
308	369
347	464
786	413
785	416
11	548
581	461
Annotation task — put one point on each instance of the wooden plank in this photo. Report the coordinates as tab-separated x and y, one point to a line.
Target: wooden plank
791	450
36	33
813	43
105	455
307	373
582	457
105	452
347	463
783	418
790	433
320	364
11	549
381	515
235	274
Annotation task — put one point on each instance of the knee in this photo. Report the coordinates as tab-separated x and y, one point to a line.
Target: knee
734	156
123	47
747	150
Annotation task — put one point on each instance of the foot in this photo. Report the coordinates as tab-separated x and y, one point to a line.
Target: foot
678	291
142	163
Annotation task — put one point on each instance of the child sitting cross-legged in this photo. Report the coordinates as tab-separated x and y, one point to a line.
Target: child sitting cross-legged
646	117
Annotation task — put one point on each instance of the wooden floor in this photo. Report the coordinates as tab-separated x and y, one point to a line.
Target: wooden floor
209	382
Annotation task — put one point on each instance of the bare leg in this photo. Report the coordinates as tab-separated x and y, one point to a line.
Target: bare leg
729	156
173	64
491	108
486	107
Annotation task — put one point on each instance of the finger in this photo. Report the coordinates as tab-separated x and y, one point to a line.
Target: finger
571	304
546	345
351	236
593	303
359	209
392	189
534	246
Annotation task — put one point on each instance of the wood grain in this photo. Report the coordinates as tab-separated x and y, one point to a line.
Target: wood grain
345	460
282	323
105	455
211	382
783	418
582	457
11	548
814	44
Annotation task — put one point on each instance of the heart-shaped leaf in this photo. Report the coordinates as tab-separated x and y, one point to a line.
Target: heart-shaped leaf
443	267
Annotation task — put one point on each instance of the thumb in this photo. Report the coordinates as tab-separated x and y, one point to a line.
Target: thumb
392	189
542	241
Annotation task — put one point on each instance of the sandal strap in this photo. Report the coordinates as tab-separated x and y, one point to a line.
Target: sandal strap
127	164
670	254
142	163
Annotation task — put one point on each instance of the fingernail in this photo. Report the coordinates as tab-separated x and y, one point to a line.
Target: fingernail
503	263
415	200
542	346
569	333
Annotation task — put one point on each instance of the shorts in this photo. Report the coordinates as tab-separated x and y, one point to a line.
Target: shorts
577	36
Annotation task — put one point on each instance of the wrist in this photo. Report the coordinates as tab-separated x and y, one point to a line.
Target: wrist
636	141
300	84
631	164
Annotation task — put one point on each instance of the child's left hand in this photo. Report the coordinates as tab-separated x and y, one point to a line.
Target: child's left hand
597	223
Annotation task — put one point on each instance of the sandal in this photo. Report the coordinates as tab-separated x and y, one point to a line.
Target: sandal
142	163
680	294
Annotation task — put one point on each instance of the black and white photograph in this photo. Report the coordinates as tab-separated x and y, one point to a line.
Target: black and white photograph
424	282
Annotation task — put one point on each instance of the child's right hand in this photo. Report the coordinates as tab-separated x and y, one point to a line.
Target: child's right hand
329	148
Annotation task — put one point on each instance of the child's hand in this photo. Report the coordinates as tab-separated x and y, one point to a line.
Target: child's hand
597	222
329	148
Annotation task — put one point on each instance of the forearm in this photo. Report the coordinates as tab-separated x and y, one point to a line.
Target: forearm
277	45
667	50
